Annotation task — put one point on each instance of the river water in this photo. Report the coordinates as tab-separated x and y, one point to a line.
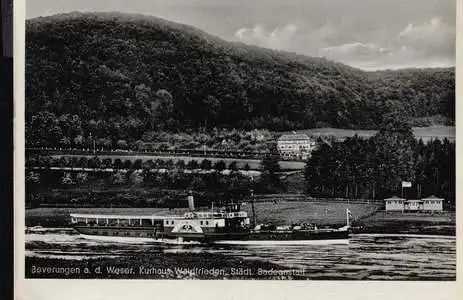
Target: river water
365	257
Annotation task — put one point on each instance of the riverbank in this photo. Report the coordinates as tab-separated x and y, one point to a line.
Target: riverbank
367	217
443	223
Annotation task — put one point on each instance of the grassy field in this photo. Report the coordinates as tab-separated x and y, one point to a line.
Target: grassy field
425	133
323	213
281	213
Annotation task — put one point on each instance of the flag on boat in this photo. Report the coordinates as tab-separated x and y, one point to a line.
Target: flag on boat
406	184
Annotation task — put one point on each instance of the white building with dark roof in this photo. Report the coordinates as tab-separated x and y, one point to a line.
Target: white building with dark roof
295	146
430	204
433	203
394	204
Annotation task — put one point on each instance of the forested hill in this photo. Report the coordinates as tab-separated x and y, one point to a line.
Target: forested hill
139	73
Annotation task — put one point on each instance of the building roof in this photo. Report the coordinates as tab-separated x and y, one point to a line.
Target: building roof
394	198
294	137
432	197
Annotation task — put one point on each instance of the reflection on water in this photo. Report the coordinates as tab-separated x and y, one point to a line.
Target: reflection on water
374	257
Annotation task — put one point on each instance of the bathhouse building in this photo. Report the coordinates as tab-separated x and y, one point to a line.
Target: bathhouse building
430	204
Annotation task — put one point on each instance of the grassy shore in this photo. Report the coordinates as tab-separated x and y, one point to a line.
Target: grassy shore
367	217
417	223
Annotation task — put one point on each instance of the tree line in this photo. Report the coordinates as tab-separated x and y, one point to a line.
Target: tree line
374	168
46	129
41	161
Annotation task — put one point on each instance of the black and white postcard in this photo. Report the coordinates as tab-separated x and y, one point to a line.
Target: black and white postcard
240	140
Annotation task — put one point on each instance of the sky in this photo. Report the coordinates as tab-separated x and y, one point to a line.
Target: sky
367	34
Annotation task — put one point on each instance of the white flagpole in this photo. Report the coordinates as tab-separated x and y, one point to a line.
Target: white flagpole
347	217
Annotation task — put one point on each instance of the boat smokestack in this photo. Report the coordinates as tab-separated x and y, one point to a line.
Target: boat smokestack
191	201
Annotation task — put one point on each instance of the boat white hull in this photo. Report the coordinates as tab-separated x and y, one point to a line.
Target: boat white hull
141	240
284	242
134	240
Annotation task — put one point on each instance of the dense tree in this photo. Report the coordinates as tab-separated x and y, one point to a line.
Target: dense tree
118	178
206	164
220	166
136	178
375	167
180	164
106	163
192	165
233	166
137	164
270	167
94	162
127	164
118	164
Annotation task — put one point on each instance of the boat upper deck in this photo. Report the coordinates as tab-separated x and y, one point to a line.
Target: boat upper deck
187	215
123	217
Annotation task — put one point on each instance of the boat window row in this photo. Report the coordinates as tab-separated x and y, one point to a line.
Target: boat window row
128	233
172	222
114	222
210	215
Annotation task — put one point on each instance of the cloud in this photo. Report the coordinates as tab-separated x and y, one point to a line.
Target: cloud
430	38
357	49
425	44
290	37
431	43
423	32
361	55
278	38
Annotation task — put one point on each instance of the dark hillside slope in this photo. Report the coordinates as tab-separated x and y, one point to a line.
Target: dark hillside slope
128	74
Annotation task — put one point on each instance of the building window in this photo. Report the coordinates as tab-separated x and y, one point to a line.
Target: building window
207	222
201	222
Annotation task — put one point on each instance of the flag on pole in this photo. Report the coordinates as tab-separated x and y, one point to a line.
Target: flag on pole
349	212
348	217
406	184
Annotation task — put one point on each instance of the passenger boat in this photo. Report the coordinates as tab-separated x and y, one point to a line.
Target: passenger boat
228	224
